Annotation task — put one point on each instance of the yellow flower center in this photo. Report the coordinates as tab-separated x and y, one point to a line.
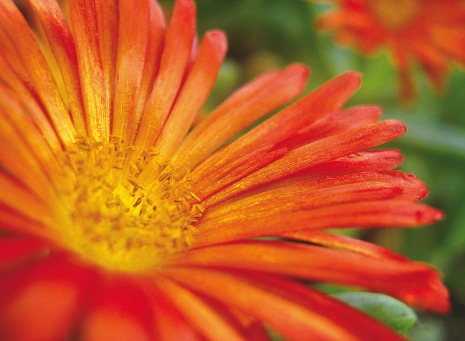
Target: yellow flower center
395	14
121	215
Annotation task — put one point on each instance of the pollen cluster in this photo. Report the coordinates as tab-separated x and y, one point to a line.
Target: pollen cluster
123	209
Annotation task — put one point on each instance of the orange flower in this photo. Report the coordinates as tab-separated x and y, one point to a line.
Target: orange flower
122	221
428	32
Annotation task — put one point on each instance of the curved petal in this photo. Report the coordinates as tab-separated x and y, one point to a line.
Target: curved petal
239	111
302	158
304	194
382	213
209	322
61	42
194	93
344	243
25	60
266	136
294	312
417	284
174	62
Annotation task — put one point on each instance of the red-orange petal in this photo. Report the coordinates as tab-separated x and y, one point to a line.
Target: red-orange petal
194	93
368	214
294	312
174	62
119	312
207	321
302	158
53	290
414	283
240	110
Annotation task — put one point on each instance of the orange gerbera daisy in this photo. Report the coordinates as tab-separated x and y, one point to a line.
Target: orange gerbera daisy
120	220
429	32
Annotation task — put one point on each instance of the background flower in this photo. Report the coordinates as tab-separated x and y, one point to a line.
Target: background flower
428	33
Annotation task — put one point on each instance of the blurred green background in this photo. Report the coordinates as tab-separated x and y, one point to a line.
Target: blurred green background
266	34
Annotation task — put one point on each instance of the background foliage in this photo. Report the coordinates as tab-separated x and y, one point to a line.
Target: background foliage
266	34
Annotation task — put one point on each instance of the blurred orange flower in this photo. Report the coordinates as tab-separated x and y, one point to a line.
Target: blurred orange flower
120	220
428	32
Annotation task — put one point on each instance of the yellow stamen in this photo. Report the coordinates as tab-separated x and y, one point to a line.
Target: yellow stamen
395	14
117	221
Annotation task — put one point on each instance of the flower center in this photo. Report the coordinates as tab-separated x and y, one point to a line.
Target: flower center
395	14
122	215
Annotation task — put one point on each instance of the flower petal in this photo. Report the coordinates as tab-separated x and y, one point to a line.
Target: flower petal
132	43
414	283
61	42
344	243
194	93
95	60
209	322
174	61
382	213
25	61
305	194
294	312
302	158
266	136
239	111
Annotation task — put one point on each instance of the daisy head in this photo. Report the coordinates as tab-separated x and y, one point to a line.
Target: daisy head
128	214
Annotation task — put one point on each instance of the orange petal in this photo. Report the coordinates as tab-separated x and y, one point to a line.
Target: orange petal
11	220
95	61
21	199
374	160
174	61
412	187
152	60
344	243
333	123
280	201
19	157
267	135
207	321
61	43
169	323
302	158
26	62
305	194
133	35
294	312
382	213
194	93
414	283
240	110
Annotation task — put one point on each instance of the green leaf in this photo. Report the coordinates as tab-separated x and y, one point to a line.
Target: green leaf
387	310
